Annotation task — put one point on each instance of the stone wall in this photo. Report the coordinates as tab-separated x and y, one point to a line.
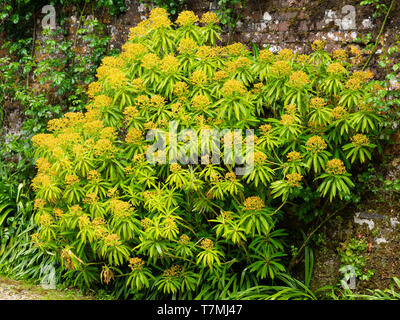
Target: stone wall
284	23
279	24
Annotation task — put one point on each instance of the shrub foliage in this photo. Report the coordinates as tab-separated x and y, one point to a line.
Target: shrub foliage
197	230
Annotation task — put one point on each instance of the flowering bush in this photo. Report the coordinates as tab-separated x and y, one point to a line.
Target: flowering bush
186	229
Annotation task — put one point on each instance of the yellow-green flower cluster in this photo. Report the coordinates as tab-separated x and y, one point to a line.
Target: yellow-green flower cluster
46	220
174	167
130	113
199	77
134	136
200	103
112	240
339	112
230	176
317	103
335	167
209	18
169	64
184	239
71	180
339	54
360	140
281	68
265	129
318	45
232	86
207	244
259	158
136	264
294	179
186	18
336	68
150	61
287	120
187	45
298	79
285	54
294	156
266	56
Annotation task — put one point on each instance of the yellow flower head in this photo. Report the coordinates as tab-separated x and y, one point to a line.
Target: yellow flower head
83	221
339	54
104	147
318	45
160	21
281	68
43	165
200	103
112	240
287	120
293	156
39	203
120	208
291	109
150	61
169	64
230	176
157	101
259	158
175	167
209	18
187	45
294	179
266	56
94	175
186	18
303	58
130	113
136	264
207	244
180	89
199	77
102	101
335	166
133	50
254	203
71	180
285	54
140	30
236	49
46	220
94	88
339	112
134	136
206	52
220	75
316	144
265	129
354	83
91	198
232	86
317	103
336	68
298	79
360	140
184	239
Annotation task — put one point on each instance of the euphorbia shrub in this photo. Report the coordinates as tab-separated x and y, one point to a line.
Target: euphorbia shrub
196	230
